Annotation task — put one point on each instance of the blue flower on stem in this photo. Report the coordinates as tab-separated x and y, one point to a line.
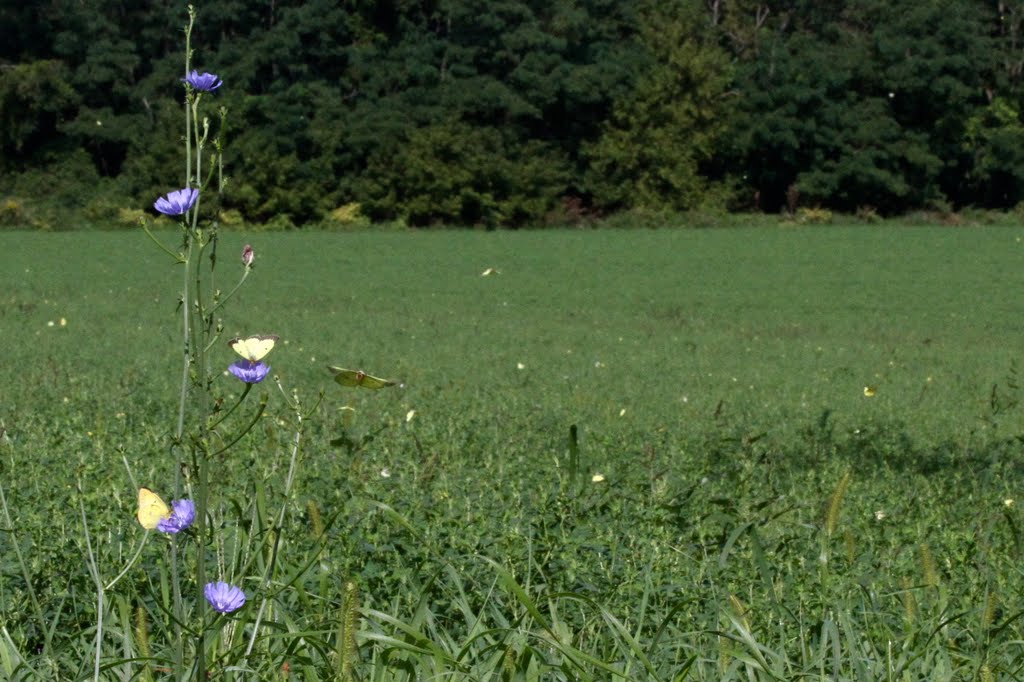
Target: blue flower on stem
183	513
205	82
178	202
224	598
249	372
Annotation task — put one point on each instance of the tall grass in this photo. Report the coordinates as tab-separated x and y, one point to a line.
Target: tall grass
474	538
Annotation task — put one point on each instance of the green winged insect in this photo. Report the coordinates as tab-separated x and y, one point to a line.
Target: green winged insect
358	378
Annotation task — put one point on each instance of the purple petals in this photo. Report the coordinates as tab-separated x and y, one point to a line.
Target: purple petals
249	372
204	82
224	598
183	513
178	202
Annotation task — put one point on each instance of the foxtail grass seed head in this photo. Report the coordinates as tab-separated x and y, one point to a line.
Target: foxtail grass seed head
991	610
316	521
178	202
249	372
740	610
928	570
203	82
224	598
247	256
347	648
142	632
183	513
835	504
909	602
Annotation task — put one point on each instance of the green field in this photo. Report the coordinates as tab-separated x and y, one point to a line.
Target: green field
717	380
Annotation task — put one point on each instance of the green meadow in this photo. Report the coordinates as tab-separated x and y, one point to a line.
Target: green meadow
776	453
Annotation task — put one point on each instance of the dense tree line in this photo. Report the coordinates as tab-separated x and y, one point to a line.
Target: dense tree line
511	112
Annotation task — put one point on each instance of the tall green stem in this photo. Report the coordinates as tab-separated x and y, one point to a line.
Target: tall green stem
179	435
188	111
202	378
195	358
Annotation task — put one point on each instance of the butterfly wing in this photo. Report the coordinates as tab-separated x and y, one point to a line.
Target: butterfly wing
253	348
358	378
374	382
151	509
345	377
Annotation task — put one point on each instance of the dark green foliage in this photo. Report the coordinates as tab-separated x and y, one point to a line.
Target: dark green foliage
651	150
473	113
33	96
521	112
454	173
867	110
936	58
995	139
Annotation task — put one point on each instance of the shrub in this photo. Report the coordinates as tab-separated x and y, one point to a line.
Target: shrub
348	216
814	216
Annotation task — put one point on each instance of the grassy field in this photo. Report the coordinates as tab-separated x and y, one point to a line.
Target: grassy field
738	505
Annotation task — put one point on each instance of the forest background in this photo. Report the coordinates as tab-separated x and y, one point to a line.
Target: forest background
517	112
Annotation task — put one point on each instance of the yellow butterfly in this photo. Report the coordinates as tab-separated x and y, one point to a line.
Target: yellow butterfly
152	510
253	348
357	377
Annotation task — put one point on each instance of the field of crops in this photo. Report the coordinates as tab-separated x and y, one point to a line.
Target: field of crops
797	454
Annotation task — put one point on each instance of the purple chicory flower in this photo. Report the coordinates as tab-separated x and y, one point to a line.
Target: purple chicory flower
178	202
248	255
205	82
249	372
183	513
224	598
